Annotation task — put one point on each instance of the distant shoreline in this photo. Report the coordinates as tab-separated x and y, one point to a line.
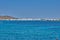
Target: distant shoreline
13	18
33	19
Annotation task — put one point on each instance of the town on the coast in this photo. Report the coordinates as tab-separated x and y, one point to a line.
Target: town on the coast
13	18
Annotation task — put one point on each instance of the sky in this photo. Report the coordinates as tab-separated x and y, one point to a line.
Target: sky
30	8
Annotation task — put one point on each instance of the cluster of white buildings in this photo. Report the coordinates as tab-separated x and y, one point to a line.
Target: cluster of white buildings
34	19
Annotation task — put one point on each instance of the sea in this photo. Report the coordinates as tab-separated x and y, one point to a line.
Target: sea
29	30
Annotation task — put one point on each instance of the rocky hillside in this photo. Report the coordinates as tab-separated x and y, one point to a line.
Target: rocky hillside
7	17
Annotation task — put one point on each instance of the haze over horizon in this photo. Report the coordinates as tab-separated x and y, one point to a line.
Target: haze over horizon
30	8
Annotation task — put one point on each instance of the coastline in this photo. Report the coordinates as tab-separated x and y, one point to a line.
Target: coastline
39	19
33	19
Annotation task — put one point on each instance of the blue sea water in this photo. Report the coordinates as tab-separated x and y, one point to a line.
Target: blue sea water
29	30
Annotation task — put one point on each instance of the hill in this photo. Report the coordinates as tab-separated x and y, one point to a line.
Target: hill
7	17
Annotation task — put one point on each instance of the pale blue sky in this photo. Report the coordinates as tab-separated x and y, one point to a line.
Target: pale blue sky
30	8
